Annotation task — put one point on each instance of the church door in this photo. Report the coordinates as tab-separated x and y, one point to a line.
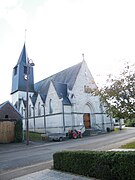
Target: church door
86	120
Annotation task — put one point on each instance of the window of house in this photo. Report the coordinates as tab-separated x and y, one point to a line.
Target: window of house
39	109
6	116
50	106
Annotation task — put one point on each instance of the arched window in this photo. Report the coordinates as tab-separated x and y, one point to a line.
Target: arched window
50	106
30	110
39	110
22	111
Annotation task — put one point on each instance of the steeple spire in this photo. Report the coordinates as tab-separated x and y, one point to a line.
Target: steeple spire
23	56
83	56
19	72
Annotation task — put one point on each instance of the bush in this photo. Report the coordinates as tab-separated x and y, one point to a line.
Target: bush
18	131
130	123
102	165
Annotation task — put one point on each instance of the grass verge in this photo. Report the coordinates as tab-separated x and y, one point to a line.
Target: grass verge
129	145
33	136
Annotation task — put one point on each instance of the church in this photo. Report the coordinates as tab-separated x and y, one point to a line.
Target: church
60	102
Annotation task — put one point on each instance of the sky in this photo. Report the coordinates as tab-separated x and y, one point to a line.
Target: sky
58	32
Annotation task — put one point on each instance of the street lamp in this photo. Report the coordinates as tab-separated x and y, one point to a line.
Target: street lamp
29	64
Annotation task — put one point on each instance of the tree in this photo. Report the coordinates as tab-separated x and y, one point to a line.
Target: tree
118	95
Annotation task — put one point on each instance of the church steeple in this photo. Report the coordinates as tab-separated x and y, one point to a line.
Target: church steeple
23	55
19	74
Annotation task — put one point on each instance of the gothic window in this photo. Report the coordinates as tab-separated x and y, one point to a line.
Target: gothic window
39	110
22	111
30	110
50	106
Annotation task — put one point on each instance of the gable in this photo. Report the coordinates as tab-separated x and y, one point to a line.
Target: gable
8	111
53	102
84	79
38	100
52	93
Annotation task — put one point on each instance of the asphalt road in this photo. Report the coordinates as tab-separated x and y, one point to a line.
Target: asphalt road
38	156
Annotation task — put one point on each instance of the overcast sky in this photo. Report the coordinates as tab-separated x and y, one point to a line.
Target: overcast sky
59	31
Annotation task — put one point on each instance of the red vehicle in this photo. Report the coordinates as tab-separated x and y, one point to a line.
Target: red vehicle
74	134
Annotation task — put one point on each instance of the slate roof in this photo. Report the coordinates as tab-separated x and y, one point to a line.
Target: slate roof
67	76
34	98
61	90
62	81
19	72
23	56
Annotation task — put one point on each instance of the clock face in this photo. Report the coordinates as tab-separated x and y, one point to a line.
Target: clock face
25	77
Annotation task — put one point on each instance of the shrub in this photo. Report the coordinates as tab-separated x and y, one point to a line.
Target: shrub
102	165
130	123
18	131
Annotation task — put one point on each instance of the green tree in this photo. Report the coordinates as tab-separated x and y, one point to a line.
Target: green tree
118	95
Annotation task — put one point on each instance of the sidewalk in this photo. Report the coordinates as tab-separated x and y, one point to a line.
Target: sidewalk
52	175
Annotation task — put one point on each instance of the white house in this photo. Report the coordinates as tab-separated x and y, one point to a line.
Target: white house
60	102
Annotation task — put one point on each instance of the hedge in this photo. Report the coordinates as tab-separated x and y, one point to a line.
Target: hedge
102	165
18	131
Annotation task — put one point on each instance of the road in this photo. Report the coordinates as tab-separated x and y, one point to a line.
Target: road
38	156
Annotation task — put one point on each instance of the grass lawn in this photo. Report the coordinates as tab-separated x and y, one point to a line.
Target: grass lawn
33	136
129	146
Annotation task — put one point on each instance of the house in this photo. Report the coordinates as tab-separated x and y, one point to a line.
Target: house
9	115
60	102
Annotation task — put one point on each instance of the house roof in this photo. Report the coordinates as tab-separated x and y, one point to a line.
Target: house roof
7	109
67	76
